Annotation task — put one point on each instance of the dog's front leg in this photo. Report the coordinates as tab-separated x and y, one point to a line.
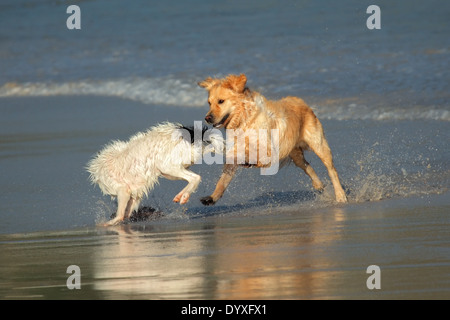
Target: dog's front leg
181	173
229	170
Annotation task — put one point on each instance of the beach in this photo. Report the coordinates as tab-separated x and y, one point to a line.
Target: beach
382	97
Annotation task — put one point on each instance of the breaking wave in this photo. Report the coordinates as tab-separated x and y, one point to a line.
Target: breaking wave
148	91
176	92
362	112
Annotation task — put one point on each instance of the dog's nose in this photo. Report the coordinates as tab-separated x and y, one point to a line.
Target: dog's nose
208	118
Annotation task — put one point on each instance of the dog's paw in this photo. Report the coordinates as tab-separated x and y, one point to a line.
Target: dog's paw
185	198
207	201
178	197
319	191
112	222
342	198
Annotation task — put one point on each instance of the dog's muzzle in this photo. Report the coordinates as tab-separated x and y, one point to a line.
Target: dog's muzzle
221	122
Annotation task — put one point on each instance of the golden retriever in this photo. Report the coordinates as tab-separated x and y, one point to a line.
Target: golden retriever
234	106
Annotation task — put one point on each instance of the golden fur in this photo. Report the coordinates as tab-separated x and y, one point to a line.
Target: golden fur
234	106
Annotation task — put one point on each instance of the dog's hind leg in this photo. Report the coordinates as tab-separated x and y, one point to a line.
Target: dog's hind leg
299	160
123	204
229	170
134	205
317	142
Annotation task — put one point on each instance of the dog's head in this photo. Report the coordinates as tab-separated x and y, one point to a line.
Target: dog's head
212	139
225	95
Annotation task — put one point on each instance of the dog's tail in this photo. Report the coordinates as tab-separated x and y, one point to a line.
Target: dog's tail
98	166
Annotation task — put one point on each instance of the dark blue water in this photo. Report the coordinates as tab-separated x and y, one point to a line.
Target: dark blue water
156	52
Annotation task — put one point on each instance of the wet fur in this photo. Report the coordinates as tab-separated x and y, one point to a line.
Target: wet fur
129	170
234	106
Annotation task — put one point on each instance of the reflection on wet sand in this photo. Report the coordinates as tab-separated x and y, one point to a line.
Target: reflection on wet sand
322	253
219	261
138	262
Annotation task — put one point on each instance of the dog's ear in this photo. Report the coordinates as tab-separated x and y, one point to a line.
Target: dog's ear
236	83
208	83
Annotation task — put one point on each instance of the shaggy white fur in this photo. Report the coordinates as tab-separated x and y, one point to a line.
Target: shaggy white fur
129	170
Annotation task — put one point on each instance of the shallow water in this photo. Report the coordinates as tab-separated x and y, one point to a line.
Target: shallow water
47	142
382	96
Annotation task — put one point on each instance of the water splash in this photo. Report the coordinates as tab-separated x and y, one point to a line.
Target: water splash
378	179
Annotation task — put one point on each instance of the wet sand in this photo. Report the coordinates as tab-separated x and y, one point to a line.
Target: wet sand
318	254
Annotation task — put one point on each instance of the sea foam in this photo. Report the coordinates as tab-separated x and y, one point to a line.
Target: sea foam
176	92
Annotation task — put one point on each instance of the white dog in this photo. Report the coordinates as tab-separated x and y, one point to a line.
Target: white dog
129	170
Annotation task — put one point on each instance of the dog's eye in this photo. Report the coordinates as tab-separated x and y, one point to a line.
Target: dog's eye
221	101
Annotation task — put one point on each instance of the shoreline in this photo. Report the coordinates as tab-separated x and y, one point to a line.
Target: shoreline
319	254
